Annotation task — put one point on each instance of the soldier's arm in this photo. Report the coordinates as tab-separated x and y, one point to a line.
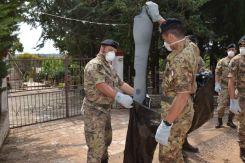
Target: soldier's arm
231	87
218	72
106	90
177	106
232	78
127	89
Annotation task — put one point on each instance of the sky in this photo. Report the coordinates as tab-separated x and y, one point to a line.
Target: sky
29	37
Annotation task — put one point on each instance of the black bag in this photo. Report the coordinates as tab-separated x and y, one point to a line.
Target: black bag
203	100
143	122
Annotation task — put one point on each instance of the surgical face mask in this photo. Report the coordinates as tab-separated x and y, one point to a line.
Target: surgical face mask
242	50
168	46
110	56
231	53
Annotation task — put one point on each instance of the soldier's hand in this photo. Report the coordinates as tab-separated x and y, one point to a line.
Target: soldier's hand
125	100
162	134
234	106
217	87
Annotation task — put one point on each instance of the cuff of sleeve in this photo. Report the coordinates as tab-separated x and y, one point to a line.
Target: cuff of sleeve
99	81
156	18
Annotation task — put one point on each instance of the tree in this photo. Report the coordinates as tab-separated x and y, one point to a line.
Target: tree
10	15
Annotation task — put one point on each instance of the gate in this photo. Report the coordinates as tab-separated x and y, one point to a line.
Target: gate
42	90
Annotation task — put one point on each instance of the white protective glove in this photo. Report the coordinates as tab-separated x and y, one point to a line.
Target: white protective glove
125	100
217	87
162	134
234	106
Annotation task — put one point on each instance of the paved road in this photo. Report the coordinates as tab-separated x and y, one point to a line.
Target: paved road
63	141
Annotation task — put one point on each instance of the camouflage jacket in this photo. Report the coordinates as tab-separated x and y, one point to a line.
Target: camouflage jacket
98	70
222	71
237	70
181	67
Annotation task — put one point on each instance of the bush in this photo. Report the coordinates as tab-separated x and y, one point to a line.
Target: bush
27	56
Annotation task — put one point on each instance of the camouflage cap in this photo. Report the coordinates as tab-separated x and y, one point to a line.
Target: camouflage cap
242	40
232	45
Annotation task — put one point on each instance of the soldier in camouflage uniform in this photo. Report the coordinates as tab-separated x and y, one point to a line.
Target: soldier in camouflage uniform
100	83
221	86
236	88
178	85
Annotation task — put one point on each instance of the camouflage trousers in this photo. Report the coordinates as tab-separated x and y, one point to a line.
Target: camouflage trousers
241	119
223	102
172	153
98	133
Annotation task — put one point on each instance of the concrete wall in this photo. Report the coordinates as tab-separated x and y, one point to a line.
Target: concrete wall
4	117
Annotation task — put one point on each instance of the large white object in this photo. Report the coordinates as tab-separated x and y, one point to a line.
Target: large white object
142	32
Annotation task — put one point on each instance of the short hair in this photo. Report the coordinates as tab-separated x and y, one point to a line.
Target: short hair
173	26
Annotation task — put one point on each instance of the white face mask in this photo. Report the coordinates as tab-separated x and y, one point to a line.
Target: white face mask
110	56
231	53
168	46
242	50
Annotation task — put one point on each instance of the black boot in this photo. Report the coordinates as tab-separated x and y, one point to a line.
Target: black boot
242	154
230	121
189	148
220	123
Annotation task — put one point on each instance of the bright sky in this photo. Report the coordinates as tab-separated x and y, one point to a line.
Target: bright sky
29	37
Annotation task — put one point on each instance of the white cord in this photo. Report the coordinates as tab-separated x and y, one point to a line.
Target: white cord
83	21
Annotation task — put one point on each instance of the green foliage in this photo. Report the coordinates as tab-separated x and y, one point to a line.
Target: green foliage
52	69
209	20
28	56
10	16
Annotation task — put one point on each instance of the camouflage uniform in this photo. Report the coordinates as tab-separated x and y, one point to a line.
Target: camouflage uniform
179	76
96	106
237	69
222	70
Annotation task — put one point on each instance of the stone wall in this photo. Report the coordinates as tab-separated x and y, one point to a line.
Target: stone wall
4	116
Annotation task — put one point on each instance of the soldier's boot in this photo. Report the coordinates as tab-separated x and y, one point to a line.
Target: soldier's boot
189	148
242	154
220	123
230	121
104	160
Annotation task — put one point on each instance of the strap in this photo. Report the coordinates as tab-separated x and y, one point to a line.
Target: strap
147	12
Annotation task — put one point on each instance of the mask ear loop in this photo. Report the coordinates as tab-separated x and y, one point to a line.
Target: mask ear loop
178	41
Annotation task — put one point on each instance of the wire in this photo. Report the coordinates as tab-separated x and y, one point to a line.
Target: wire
83	21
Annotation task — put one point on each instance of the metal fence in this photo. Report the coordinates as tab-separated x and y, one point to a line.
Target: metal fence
42	90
